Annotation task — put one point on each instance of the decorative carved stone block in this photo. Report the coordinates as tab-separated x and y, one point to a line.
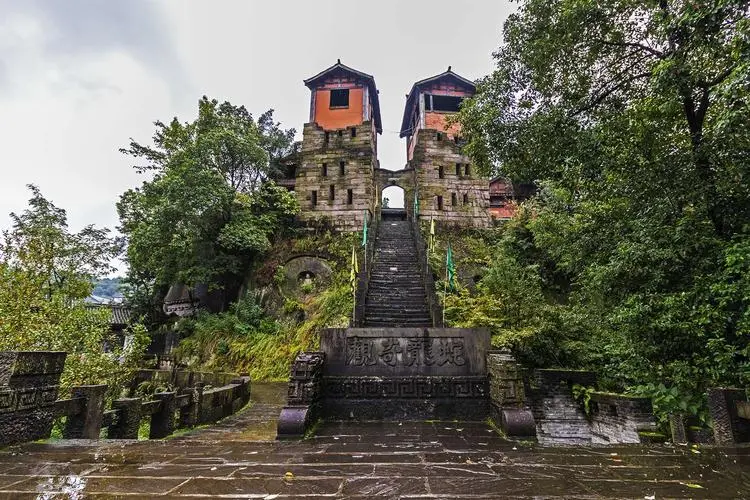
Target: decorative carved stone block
88	423
729	428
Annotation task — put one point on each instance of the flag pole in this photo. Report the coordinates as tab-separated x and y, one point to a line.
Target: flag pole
445	291
354	289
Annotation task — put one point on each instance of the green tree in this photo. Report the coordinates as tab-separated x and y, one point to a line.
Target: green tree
46	272
209	210
632	117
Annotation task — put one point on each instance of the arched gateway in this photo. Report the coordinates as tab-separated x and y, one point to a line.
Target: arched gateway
337	174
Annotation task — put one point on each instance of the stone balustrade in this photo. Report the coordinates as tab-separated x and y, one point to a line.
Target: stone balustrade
29	386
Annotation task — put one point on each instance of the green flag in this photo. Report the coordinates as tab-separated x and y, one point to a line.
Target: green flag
364	232
450	269
416	205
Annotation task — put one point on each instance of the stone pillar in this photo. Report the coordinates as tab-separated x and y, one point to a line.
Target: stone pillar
162	422
88	423
128	419
729	428
677	426
190	414
304	395
507	395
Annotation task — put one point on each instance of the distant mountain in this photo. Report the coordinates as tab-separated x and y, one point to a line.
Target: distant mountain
108	288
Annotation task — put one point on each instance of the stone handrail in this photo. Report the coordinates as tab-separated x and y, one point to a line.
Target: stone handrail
363	280
433	304
304	397
29	386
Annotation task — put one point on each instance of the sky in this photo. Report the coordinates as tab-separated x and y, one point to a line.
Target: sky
79	78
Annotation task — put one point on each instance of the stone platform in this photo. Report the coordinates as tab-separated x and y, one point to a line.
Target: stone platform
429	459
405	374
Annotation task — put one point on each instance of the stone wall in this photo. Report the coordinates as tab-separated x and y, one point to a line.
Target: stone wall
560	420
359	154
616	418
405	373
465	198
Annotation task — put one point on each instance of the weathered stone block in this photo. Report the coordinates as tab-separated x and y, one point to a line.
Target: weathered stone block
405	351
163	421
128	419
729	427
29	385
88	423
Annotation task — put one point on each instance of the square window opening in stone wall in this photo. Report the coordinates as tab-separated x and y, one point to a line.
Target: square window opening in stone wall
326	137
439	136
440	202
441	172
342	168
458	169
446	103
331	192
454	199
466	199
324	170
467	170
354	132
349	196
339	98
314	197
341	133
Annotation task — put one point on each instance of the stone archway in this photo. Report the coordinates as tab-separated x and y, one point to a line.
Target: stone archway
404	179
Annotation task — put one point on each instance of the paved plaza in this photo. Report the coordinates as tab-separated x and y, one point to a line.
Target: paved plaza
239	458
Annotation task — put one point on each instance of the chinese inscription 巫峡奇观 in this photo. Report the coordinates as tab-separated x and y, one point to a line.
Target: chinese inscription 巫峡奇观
405	351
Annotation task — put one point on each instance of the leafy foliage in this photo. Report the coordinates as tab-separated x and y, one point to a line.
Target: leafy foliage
209	209
45	273
632	118
261	336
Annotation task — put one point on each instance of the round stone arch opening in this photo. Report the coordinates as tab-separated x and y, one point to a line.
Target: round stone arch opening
403	179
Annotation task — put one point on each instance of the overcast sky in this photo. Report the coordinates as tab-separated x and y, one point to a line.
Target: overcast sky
78	78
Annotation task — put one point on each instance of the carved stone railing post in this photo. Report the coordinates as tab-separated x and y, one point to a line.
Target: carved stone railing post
162	422
88	423
677	428
304	395
190	414
29	384
729	427
128	419
507	396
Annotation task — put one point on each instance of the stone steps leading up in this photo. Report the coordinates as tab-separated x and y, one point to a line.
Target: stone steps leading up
396	295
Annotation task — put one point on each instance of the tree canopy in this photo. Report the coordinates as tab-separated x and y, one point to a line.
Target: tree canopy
46	272
209	207
632	117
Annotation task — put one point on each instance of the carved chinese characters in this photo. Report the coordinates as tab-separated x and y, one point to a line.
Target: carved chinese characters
405	351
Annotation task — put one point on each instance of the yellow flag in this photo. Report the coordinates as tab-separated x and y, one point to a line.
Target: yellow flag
432	234
354	270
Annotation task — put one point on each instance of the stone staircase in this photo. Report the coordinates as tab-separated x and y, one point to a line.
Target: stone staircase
396	293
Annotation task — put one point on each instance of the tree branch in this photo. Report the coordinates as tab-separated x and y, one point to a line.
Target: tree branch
606	93
634	45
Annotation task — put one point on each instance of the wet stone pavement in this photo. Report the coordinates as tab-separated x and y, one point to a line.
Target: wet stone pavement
239	459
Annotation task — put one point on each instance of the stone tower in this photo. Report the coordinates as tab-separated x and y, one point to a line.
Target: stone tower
335	179
447	187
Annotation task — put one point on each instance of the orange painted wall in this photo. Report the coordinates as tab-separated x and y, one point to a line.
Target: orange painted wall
437	121
330	119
